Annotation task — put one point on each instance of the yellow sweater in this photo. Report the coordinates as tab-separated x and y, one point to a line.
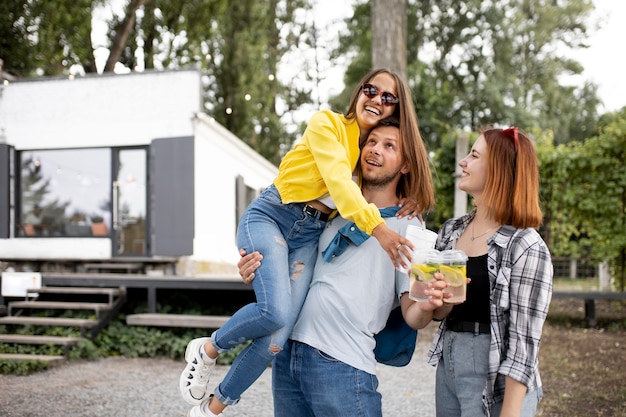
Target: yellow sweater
322	163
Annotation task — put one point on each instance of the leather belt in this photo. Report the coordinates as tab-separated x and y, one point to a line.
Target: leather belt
468	327
313	212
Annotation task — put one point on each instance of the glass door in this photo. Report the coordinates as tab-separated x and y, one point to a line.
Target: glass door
129	194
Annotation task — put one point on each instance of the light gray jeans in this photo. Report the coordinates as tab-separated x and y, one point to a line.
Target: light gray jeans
461	376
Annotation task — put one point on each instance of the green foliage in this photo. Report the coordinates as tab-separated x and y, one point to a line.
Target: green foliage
46	38
584	193
15	46
488	61
117	339
494	62
237	46
121	340
26	367
474	63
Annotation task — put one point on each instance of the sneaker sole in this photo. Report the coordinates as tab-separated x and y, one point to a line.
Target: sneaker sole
184	391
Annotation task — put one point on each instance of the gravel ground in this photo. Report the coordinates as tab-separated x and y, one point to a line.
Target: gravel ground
120	387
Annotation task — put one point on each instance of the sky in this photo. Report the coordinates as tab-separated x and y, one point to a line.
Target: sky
604	61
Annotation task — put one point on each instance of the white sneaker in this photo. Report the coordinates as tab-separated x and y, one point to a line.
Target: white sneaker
195	377
199	410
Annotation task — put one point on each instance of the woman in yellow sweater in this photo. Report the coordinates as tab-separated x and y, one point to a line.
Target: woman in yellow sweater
284	224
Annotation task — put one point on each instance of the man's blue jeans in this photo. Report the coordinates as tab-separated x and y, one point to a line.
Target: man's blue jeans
306	382
287	238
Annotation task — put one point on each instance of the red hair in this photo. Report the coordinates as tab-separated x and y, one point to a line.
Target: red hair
511	191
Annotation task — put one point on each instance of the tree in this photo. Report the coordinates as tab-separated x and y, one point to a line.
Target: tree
472	63
389	40
19	58
123	31
238	47
41	37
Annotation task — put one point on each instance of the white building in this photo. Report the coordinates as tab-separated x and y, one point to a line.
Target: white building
121	166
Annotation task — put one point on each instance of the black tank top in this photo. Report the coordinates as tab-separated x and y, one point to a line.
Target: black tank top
476	305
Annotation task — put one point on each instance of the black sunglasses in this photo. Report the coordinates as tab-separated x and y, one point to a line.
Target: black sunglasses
371	91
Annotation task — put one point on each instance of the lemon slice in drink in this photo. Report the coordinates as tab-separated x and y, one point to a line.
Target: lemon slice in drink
452	276
423	273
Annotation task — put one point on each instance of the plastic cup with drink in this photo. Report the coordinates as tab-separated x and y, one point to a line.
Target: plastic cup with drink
422	239
450	263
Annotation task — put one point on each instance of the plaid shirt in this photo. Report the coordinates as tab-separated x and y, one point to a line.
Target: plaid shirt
520	275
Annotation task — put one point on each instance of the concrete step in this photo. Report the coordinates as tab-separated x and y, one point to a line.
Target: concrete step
50	359
78	290
176	320
58	305
23	339
128	267
49	321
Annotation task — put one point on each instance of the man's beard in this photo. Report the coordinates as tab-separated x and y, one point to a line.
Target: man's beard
380	182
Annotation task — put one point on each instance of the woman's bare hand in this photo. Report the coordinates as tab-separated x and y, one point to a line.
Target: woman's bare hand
248	264
399	248
408	206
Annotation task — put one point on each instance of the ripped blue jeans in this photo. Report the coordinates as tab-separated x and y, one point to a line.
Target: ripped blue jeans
287	237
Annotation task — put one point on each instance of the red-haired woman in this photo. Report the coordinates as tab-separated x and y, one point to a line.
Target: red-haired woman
486	349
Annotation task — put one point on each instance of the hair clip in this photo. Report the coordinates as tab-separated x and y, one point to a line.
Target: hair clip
512	133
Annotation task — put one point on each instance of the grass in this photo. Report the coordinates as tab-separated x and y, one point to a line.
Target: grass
568	284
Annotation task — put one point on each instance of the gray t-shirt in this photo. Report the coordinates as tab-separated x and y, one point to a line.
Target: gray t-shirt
351	297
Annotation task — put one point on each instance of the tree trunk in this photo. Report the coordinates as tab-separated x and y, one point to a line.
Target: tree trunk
121	35
389	34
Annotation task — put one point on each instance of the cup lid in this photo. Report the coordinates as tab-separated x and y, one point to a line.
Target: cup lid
446	256
454	255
